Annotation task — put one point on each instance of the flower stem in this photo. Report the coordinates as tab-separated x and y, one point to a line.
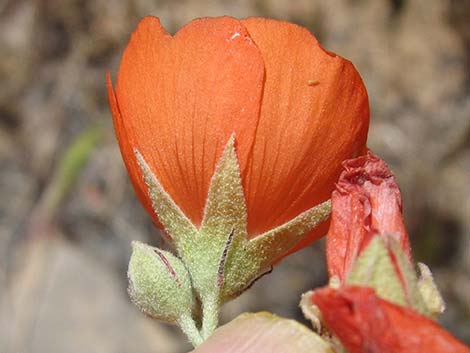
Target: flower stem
188	326
210	314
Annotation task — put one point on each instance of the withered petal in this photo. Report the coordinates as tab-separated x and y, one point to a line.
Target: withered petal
365	323
366	202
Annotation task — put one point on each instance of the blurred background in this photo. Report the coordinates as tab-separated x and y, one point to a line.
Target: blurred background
67	211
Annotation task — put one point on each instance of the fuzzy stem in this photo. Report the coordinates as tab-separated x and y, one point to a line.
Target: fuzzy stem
210	314
188	326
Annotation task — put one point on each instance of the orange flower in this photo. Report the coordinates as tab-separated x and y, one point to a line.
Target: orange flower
365	323
366	203
296	110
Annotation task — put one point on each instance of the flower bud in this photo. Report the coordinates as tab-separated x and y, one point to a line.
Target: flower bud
375	302
159	284
367	243
366	202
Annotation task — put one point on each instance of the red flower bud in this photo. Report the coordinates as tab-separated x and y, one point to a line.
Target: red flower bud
366	202
365	323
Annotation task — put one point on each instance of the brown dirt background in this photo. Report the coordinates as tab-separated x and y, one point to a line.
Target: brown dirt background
64	250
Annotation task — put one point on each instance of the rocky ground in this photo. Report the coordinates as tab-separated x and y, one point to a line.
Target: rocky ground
65	228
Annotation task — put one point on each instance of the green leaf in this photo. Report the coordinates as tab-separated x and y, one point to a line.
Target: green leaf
68	169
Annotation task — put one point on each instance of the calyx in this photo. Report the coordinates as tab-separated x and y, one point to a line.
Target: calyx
221	260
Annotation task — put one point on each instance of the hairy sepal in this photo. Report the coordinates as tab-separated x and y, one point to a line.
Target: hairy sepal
384	266
222	261
159	283
431	295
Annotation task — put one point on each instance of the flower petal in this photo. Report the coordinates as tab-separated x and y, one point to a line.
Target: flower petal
182	97
126	143
314	115
365	323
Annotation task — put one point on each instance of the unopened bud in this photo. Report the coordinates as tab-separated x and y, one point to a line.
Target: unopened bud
159	283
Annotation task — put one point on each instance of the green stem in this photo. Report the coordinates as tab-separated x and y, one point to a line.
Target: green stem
210	314
188	326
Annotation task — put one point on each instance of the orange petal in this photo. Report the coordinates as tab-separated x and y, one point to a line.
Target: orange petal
364	322
180	99
125	144
314	115
366	202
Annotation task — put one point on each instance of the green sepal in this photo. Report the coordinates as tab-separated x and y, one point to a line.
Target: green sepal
219	256
223	233
374	268
221	259
169	214
159	283
428	289
409	277
251	259
383	266
271	245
